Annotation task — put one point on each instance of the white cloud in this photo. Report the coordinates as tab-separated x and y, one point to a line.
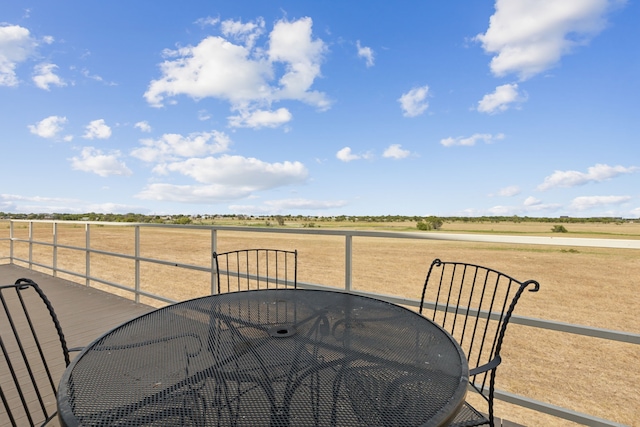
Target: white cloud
292	44
503	210
529	206
471	140
25	204
211	193
242	74
113	208
16	46
237	29
30	204
144	126
414	102
96	77
172	147
597	173
532	201
97	129
286	205
203	115
589	202
207	21
8	206
510	191
49	127
240	171
346	155
366	53
18	197
500	100
260	118
246	33
225	178
214	68
44	76
95	161
395	151
528	37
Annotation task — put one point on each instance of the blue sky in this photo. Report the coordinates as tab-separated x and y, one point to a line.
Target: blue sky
456	108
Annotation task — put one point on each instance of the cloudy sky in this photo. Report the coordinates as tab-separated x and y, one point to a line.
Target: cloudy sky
512	107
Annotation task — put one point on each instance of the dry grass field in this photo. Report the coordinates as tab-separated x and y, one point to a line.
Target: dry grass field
589	286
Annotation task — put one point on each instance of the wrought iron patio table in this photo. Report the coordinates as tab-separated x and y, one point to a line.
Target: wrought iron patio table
279	357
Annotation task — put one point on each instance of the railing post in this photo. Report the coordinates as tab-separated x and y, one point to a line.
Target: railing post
55	249
11	242
30	245
214	248
137	263
347	261
87	240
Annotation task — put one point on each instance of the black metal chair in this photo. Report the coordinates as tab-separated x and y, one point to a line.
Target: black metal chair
34	352
474	304
248	269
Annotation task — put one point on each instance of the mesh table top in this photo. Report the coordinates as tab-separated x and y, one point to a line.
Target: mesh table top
268	358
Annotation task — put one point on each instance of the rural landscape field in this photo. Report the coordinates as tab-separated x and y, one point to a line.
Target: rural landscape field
592	286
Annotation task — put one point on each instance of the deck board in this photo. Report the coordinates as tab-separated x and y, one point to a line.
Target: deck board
84	314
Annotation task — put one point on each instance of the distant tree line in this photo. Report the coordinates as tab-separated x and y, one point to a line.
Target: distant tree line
423	222
92	216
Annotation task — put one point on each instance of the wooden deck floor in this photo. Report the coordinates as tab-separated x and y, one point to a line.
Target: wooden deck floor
84	314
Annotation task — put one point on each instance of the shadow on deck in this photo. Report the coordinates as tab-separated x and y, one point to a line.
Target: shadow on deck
84	313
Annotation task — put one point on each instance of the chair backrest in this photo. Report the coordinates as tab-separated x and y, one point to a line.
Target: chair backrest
248	269
474	304
33	354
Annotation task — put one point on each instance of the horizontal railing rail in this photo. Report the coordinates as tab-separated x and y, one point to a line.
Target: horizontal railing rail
606	334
